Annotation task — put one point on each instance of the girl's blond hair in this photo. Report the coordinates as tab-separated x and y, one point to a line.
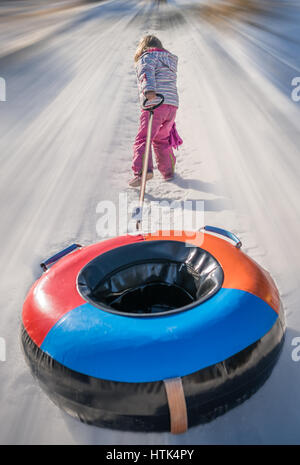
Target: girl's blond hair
146	42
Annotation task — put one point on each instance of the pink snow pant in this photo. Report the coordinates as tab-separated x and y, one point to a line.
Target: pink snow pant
163	119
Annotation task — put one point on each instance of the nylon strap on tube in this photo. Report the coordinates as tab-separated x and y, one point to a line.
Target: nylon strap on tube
177	405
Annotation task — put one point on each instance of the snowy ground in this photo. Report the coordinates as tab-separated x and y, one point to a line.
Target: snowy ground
66	133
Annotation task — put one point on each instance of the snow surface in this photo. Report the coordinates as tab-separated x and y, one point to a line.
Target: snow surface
66	134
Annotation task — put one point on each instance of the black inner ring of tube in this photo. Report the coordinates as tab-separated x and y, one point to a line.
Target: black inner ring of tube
150	278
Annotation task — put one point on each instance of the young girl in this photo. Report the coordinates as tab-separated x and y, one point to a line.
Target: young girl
156	70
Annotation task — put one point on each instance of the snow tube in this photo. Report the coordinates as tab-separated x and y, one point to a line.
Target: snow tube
108	325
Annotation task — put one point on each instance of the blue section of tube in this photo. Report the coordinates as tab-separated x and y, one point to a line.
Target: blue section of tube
128	349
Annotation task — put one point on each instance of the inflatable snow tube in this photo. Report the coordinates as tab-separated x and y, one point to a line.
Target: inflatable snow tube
152	332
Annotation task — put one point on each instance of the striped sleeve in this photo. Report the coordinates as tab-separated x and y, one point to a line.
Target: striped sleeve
145	70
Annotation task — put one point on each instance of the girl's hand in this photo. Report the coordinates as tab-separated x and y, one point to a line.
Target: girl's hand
150	95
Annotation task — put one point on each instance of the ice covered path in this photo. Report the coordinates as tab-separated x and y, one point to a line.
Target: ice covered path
66	133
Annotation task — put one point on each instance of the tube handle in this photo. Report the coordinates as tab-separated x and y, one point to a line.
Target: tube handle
225	233
58	255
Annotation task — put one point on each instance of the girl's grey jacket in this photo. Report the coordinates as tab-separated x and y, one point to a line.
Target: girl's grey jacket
156	70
